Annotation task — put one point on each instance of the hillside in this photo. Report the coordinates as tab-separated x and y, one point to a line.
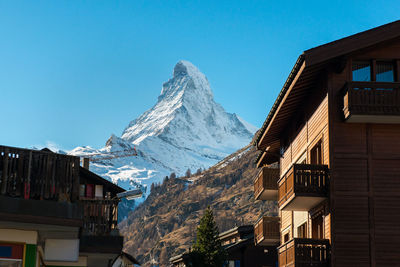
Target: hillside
165	224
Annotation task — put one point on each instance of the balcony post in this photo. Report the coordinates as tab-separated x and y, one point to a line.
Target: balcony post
5	172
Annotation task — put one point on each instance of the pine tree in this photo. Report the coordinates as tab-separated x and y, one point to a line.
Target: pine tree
208	246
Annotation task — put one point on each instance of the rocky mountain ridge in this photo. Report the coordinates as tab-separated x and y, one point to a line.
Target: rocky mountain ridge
185	129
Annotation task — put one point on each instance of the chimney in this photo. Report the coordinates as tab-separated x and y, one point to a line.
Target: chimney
85	163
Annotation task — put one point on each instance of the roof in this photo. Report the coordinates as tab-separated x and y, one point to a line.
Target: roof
303	77
100	180
236	230
128	256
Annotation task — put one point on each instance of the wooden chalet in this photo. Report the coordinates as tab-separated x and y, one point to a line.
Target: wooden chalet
241	250
53	212
334	129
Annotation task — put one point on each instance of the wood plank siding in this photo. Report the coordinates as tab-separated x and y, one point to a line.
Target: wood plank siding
315	128
365	184
339	109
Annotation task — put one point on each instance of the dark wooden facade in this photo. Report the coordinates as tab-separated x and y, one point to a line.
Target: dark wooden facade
350	130
240	247
39	187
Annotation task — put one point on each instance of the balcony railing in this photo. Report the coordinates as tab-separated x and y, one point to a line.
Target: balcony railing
100	217
372	102
301	252
303	187
266	231
42	175
266	184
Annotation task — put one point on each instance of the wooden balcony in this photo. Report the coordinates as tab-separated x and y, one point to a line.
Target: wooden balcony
266	184
39	175
302	252
372	102
100	217
267	232
39	187
99	232
303	187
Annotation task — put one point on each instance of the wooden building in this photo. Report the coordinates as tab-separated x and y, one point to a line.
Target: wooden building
241	249
239	243
53	212
334	129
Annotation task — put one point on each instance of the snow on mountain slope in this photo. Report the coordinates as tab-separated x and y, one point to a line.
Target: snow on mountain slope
185	129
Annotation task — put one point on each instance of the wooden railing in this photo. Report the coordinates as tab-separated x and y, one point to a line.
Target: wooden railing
304	252
33	174
371	98
267	228
266	179
305	179
100	217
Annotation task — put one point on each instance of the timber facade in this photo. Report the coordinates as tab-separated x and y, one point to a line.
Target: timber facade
53	212
334	130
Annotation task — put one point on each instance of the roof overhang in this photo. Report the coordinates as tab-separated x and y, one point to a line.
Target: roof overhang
303	78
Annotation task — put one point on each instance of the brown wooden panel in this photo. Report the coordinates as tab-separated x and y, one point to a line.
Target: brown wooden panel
386	140
286	161
299	144
318	120
349	138
386	177
352	250
351	214
387	230
286	219
388	51
325	147
327	226
350	175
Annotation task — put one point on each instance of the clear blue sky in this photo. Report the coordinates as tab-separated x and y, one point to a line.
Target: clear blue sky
73	72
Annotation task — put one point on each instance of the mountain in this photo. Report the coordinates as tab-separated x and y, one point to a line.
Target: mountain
167	220
185	129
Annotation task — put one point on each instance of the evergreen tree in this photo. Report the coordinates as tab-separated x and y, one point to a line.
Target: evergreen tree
208	247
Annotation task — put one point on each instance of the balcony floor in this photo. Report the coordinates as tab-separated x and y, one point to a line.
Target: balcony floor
268	195
301	203
389	119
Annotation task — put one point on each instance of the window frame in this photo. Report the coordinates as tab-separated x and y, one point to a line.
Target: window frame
373	68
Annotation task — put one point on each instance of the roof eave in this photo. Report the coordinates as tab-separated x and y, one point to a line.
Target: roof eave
294	72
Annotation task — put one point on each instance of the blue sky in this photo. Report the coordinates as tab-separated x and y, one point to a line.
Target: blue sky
73	72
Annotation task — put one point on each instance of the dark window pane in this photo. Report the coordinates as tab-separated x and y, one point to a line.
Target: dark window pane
361	71
384	72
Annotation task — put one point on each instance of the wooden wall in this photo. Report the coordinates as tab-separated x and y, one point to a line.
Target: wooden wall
315	129
365	181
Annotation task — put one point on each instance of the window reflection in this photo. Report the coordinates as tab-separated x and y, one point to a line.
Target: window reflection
384	72
361	71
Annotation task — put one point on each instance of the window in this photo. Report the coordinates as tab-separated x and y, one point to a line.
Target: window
302	231
361	71
286	238
384	71
11	255
317	227
316	154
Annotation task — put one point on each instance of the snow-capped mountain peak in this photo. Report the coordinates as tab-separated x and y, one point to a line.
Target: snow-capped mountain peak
185	129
